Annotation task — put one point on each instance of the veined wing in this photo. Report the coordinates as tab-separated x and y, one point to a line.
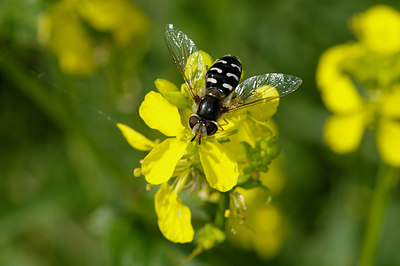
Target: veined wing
187	58
261	89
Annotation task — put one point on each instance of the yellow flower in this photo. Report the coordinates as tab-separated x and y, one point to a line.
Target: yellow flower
187	162
359	83
158	166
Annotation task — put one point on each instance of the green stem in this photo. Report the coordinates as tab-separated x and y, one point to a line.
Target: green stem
384	183
222	206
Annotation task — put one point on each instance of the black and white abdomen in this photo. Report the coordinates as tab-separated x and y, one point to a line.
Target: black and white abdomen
224	75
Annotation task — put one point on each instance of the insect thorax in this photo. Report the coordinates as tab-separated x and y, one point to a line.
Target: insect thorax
210	106
224	75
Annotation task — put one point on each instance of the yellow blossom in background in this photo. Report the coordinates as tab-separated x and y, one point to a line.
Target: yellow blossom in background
120	17
359	84
265	228
379	29
65	35
64	31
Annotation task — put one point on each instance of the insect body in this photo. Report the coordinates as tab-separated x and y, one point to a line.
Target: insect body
221	79
223	93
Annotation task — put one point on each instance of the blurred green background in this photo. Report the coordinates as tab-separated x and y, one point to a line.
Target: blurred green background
70	70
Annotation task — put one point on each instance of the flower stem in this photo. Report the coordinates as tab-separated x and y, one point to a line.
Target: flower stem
180	182
384	182
222	206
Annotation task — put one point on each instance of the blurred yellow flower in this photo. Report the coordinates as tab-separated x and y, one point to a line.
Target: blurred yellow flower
359	83
337	89
265	228
120	17
64	32
65	35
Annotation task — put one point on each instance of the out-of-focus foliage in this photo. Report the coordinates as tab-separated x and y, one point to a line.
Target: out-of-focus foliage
70	70
63	31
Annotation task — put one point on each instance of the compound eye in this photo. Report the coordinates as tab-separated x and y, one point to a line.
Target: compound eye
211	128
193	120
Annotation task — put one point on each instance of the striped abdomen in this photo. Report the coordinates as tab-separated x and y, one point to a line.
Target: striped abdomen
224	75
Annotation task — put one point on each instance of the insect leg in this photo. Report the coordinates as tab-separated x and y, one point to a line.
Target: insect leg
220	125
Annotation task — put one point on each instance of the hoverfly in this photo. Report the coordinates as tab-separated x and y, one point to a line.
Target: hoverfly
216	91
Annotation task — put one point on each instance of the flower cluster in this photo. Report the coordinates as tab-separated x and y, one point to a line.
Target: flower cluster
63	31
207	171
360	84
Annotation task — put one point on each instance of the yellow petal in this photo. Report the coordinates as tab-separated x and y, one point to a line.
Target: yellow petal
178	99
221	171
391	103
196	68
159	114
264	111
337	89
68	38
173	216
122	17
164	86
388	141
249	131
379	29
342	96
206	58
271	231
343	133
135	139
158	166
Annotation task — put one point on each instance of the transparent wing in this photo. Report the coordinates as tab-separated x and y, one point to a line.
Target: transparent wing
261	89
187	58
